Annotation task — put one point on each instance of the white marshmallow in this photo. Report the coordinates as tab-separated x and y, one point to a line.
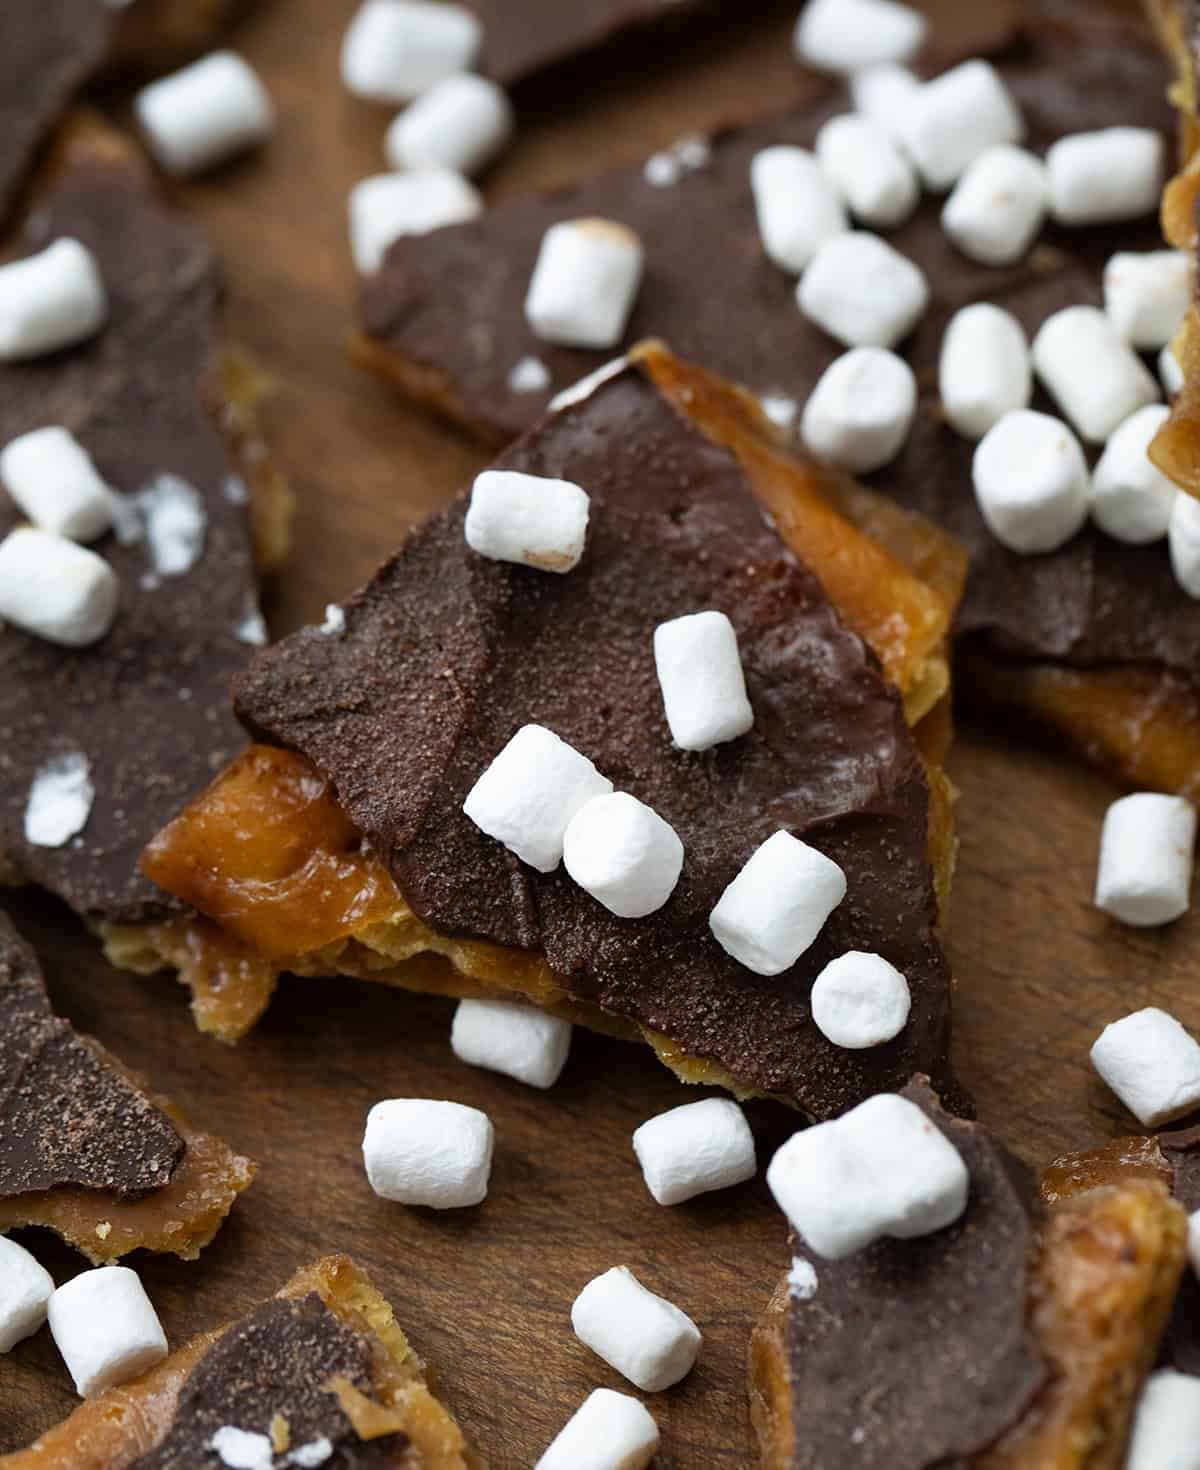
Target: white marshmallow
172	517
702	681
883	94
49	586
1031	482
387	206
610	1432
418	1151
396	49
1113	174
1194	1241
797	207
584	283
694	1149
1145	871
50	300
519	1041
984	370
205	113
243	1449
460	124
860	1000
105	1327
643	1336
957	117
1170	371
52	479
997	206
622	852
860	413
777	904
1147	294
60	800
529	375
1166	1427
882	1169
802	1280
863	292
1131	497
780	409
1151	1063
528	795
850	35
25	1290
527	519
1183	541
871	175
1096	378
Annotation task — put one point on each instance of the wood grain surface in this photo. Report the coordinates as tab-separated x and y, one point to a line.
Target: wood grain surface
486	1293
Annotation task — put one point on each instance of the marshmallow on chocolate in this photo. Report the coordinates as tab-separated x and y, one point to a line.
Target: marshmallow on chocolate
1152	1064
105	1327
49	586
396	49
860	1000
998	205
205	113
418	1151
1183	541
52	479
60	800
25	1291
1095	377
871	175
520	1041
862	292
1131	497
851	35
860	413
612	1431
985	370
957	117
777	905
644	1337
695	1148
1146	295
528	519
1166	1427
700	674
883	93
1145	871
1170	372
387	206
797	207
50	300
1098	178
584	283
460	124
622	852
1031	482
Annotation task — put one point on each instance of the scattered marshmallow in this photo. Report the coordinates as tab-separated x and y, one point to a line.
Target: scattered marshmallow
584	283
797	207
670	166
387	206
1131	497
529	375
643	1336
60	800
1170	371
1031	482
105	1327
25	1290
882	1169
528	519
50	300
242	1449
52	479
1145	871
1096	378
624	854
884	94
957	117
1151	1063
51	587
334	624
581	390
702	681
694	1149
1147	294
1113	174
612	1431
1183	542
1166	1427
860	1000
518	1041
984	370
205	113
997	206
851	35
421	1152
174	522
460	124
396	49
777	904
860	413
802	1280
873	178
863	292
528	795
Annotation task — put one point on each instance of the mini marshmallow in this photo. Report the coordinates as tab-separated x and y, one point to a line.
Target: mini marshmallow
528	795
1151	1063
60	800
701	678
612	1431
1183	542
884	93
777	904
957	117
1146	295
984	370
173	519
997	206
860	1000
1170	371
850	35
50	300
860	413
106	1328
1096	378
205	113
622	852
25	1290
1166	1427
863	292
1031	482
584	283
396	49
517	1040
52	479
1145	872
460	124
527	519
871	175
529	375
49	586
1113	174
387	206
421	1152
243	1449
882	1169
1131	497
797	207
694	1149
644	1337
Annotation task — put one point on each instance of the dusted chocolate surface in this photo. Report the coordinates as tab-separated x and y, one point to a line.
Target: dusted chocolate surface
65	1116
447	654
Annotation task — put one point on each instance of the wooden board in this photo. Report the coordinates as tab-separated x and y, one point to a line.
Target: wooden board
486	1293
